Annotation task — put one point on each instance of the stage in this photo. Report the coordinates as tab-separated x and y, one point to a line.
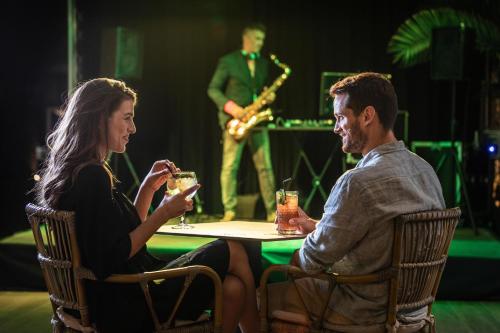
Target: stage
472	271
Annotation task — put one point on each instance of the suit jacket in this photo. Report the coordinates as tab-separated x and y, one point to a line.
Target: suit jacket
232	81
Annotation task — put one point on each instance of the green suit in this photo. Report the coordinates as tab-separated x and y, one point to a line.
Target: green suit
232	81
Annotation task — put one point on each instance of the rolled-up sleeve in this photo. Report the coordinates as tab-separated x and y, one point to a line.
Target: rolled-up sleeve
339	229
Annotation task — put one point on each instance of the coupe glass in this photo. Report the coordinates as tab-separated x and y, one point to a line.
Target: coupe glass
183	181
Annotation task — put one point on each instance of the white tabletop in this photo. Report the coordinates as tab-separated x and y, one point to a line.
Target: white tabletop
241	230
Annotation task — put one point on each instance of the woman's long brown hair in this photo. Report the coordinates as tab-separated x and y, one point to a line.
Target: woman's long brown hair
78	135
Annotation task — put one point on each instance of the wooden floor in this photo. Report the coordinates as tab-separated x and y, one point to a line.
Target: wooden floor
28	312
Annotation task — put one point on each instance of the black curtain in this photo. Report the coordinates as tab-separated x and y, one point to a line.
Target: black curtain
182	43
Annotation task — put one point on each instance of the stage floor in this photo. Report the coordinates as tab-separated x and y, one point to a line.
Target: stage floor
27	312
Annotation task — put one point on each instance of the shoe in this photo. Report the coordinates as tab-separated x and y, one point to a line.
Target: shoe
271	217
228	216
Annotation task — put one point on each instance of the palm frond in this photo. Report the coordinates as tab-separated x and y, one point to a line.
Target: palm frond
411	43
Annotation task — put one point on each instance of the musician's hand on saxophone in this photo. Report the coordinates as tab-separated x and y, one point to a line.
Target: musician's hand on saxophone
270	97
251	115
234	110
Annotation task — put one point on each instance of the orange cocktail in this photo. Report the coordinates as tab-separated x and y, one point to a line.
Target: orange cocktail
287	207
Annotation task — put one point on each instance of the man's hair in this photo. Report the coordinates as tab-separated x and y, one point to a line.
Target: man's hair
367	89
254	26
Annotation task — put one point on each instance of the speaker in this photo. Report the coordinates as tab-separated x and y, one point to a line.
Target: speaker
451	49
439	155
122	53
245	209
493	116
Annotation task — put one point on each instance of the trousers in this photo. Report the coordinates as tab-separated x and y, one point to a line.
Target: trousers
258	142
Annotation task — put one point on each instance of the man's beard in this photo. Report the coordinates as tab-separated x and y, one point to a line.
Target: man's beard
356	140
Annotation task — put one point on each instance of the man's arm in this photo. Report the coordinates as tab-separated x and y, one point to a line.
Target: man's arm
215	91
216	85
343	224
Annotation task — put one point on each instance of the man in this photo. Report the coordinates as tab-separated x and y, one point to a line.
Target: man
354	235
239	78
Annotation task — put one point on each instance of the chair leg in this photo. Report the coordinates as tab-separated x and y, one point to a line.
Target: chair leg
428	328
57	325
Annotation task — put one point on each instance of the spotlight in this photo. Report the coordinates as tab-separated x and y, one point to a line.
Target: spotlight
492	149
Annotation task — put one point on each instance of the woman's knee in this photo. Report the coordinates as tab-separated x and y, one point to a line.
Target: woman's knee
234	289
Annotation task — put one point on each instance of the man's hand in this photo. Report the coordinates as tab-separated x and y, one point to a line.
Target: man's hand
234	110
270	97
304	223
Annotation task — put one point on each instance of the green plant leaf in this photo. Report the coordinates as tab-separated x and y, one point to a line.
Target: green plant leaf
411	43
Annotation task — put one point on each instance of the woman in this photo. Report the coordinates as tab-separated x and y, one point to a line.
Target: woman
112	232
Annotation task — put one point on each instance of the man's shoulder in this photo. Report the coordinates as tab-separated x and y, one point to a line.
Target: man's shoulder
419	160
373	171
402	163
231	56
351	176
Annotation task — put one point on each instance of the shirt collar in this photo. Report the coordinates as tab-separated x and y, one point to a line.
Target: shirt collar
386	148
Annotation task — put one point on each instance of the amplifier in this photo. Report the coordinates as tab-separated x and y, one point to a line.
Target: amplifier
438	154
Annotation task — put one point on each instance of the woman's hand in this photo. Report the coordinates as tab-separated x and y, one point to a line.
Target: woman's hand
169	207
160	172
176	205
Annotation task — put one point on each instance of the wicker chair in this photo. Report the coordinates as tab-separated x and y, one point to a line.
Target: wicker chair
59	257
420	249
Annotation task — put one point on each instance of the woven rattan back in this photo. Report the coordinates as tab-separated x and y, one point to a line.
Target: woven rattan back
59	257
421	243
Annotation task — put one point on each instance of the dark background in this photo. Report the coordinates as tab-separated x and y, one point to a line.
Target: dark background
182	43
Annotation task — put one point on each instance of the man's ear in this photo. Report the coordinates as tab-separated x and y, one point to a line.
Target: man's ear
368	115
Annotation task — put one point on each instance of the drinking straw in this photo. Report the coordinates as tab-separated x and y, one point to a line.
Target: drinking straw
284	187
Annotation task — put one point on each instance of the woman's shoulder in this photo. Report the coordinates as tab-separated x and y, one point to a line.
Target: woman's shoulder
92	174
92	169
91	180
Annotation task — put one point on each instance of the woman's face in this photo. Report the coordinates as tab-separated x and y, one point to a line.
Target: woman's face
120	126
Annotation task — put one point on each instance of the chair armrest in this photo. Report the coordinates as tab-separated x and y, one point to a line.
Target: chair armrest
84	273
296	272
143	278
379	276
164	274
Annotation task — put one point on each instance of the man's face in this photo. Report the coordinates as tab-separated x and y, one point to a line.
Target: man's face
347	125
253	40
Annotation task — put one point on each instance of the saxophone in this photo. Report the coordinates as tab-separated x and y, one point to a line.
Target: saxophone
239	128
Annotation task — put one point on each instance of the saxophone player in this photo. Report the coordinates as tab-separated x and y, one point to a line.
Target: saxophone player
240	77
